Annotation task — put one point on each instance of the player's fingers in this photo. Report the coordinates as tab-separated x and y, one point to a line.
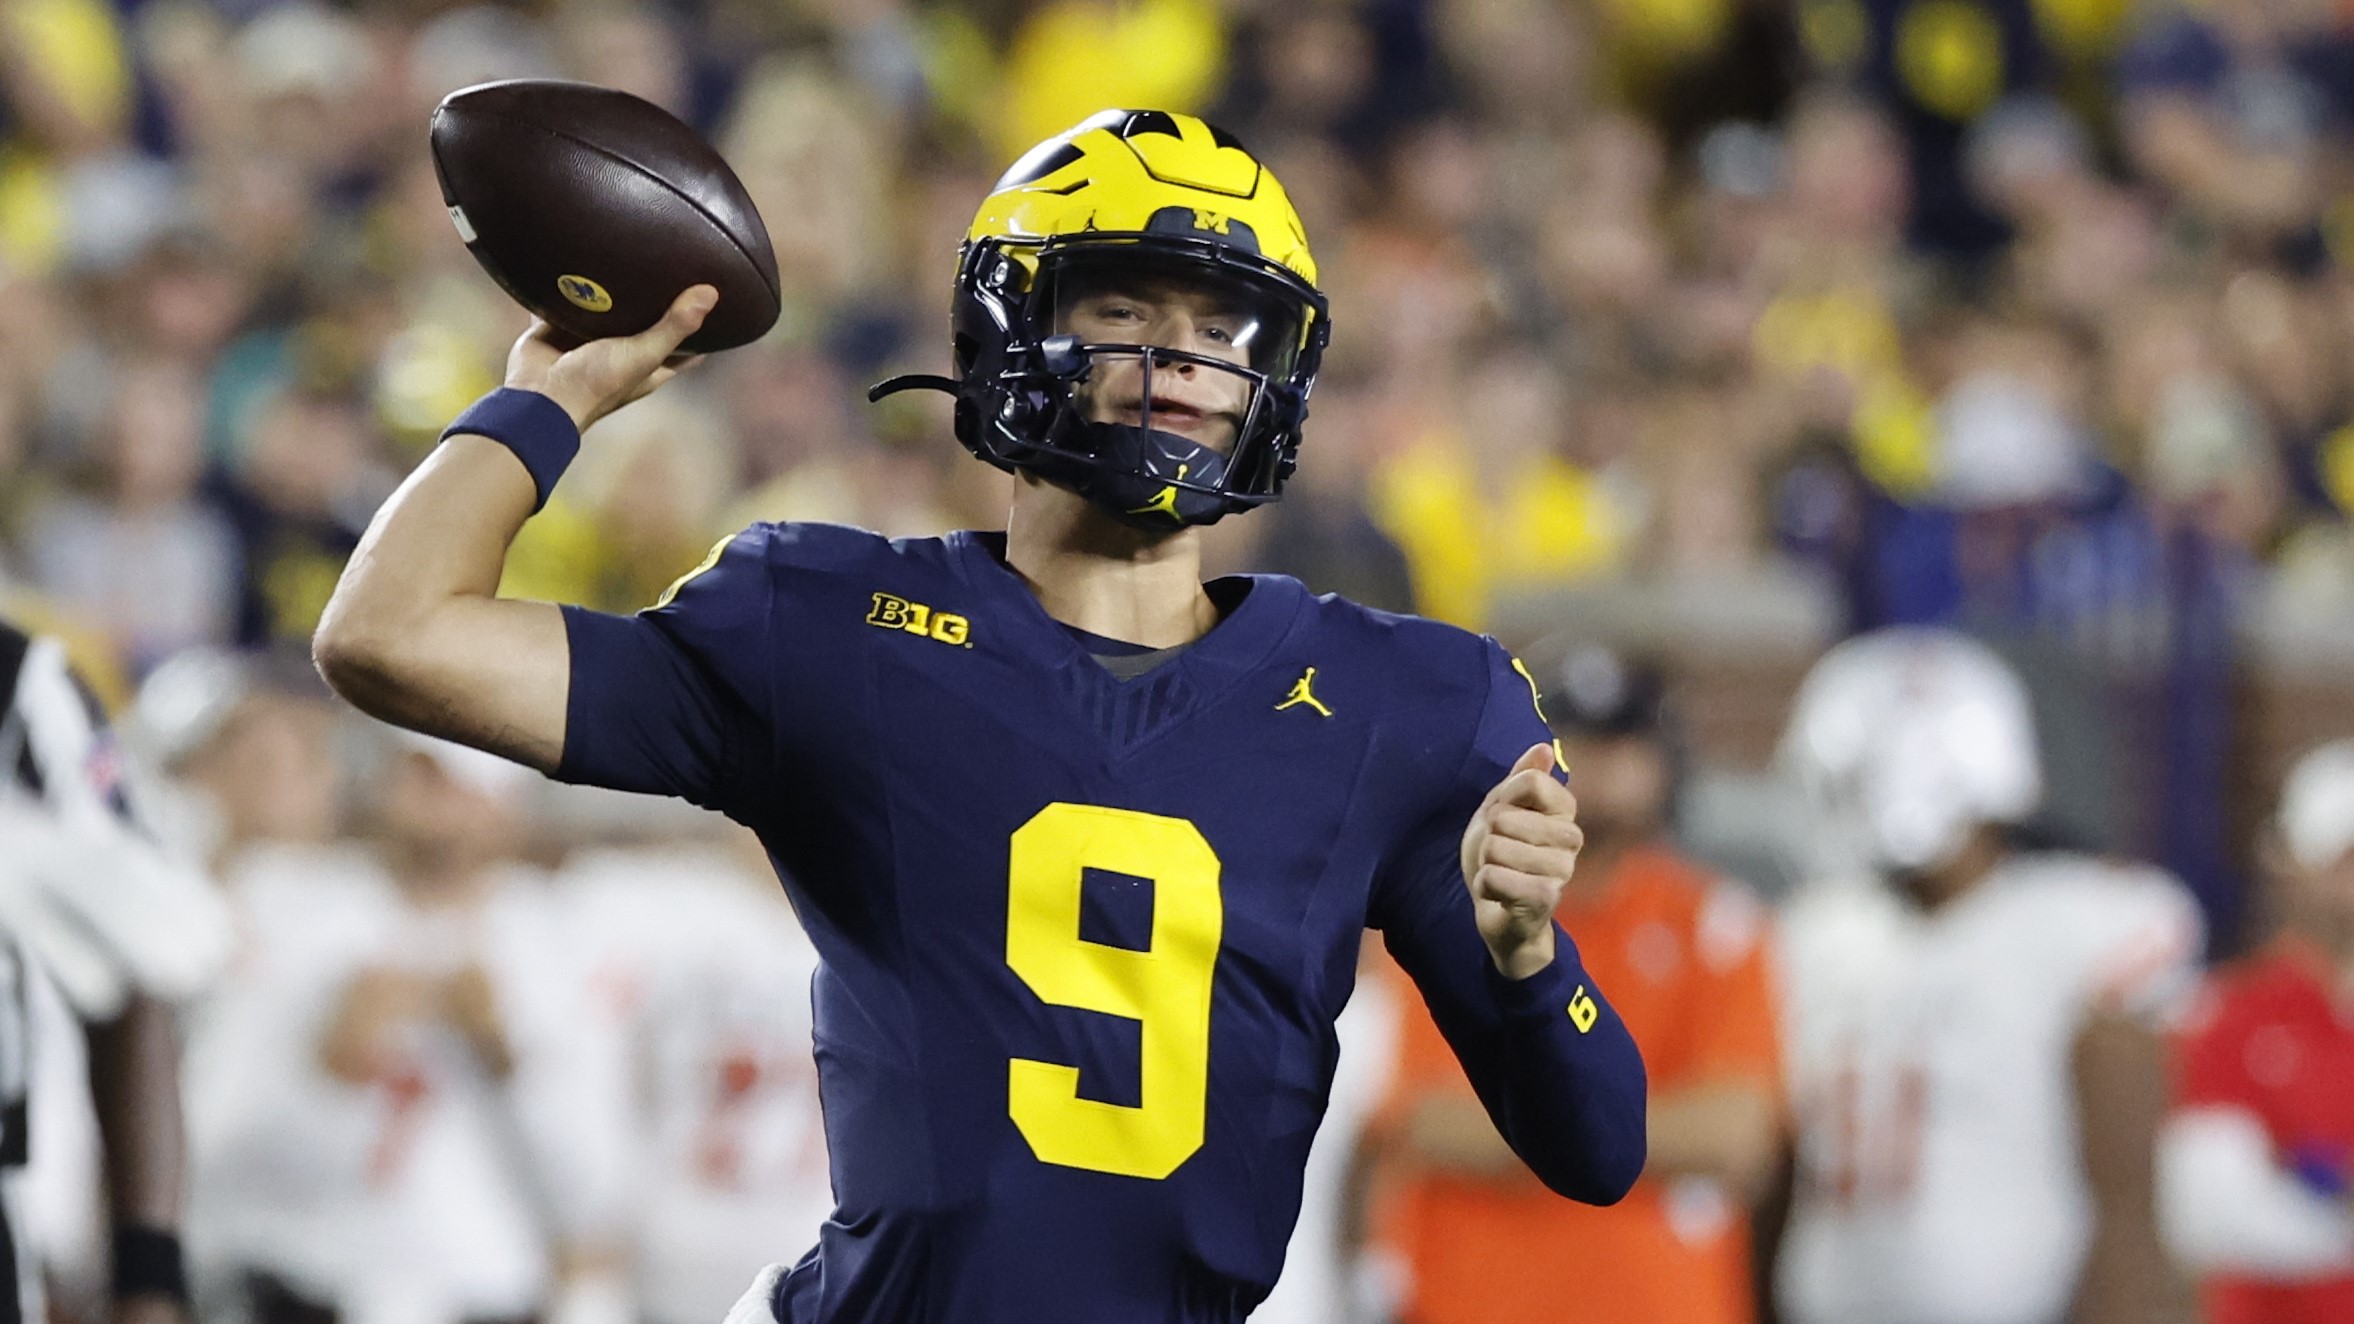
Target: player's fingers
1536	827
684	317
1527	893
1535	790
686	314
1538	861
1533	761
1536	758
543	335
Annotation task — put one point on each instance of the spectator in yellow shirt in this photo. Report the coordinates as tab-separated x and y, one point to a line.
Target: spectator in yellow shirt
1498	504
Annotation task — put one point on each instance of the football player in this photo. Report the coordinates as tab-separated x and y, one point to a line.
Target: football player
399	1115
1085	845
1974	1060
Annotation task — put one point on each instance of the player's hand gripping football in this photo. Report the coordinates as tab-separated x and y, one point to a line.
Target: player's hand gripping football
1519	852
594	379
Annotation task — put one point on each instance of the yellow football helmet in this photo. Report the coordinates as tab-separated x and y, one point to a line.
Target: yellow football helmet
1130	190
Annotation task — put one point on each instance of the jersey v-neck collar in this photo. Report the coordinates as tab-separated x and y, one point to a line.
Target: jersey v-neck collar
1131	712
1240	640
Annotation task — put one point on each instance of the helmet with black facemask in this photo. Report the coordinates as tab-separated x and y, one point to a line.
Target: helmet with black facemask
1135	202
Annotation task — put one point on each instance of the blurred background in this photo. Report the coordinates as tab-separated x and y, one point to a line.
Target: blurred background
1708	331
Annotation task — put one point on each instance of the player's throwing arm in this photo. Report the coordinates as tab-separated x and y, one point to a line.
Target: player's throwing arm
594	209
416	633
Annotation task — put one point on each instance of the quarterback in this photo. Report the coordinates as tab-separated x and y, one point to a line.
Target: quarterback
1085	844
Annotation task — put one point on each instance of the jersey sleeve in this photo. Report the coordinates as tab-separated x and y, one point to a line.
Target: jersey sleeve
1548	1056
2143	950
676	699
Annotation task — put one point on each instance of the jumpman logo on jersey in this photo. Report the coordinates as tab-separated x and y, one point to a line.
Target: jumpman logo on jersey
1164	501
1300	694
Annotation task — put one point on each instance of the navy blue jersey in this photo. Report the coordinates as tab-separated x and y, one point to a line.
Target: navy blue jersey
1084	939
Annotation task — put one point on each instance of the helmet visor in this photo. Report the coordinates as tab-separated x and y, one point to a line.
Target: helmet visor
1133	296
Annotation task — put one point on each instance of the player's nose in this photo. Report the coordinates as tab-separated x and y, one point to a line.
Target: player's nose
1176	329
1185	336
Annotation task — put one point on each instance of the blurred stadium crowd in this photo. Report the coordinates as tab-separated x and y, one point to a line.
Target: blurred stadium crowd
2032	319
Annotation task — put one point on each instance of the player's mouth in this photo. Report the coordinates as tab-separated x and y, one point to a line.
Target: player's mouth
1169	415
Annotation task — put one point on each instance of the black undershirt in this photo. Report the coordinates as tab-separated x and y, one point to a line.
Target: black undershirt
1126	661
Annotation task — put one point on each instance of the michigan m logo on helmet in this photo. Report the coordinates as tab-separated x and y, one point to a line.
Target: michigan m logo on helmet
1133	193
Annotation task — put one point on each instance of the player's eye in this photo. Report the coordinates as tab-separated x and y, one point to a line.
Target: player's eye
1238	332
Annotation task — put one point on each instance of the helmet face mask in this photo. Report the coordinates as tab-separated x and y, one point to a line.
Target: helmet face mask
1040	412
1167	210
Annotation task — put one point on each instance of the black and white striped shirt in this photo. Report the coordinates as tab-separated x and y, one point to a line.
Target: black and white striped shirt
54	744
57	754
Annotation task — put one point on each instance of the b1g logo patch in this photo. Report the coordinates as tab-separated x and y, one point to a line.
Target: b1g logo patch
896	613
584	294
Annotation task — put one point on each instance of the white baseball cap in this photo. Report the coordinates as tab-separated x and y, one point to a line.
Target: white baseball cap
2317	806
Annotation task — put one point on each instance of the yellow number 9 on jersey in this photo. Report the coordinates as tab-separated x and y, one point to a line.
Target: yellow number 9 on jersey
1166	987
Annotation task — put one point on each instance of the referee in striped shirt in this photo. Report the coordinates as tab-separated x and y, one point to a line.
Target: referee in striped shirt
88	903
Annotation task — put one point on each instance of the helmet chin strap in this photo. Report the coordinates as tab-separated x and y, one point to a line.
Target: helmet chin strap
1139	488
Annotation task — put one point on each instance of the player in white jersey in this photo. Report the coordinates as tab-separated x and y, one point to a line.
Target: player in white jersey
1974	1051
395	1115
700	972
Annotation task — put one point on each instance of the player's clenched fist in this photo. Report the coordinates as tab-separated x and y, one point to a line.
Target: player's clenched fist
1518	853
596	378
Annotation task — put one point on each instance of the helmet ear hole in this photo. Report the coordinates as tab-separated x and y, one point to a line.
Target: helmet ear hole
967	351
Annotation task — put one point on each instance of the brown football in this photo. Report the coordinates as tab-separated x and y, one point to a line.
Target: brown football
594	208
